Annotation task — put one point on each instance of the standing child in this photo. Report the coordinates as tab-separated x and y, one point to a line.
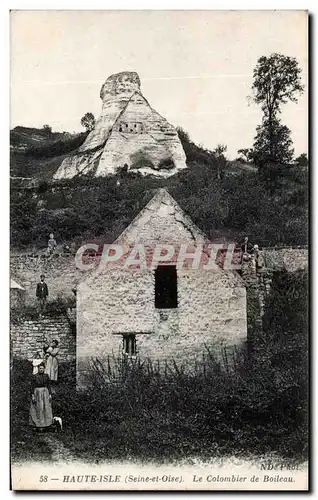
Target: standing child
51	245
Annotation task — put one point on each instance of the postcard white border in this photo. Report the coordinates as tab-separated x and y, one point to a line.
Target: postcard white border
4	198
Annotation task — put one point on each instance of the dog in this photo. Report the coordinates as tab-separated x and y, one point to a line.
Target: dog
57	424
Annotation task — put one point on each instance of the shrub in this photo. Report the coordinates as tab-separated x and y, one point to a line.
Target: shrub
141	159
166	164
54	307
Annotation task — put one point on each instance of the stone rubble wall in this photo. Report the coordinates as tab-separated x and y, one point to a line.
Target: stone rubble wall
211	313
61	274
289	259
28	337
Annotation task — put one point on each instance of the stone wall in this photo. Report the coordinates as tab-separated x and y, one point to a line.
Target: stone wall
257	273
107	312
211	313
28	337
289	259
17	297
60	272
62	275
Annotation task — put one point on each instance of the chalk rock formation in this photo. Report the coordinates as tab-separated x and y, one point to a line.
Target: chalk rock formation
128	133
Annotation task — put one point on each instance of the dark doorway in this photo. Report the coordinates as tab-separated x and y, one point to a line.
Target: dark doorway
166	287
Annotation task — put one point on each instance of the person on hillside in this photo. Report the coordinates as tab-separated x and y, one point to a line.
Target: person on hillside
247	247
42	293
40	415
51	245
52	365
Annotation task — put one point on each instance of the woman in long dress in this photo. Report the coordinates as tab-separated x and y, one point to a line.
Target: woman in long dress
52	364
41	415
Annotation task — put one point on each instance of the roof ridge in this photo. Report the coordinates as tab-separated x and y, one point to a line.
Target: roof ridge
159	192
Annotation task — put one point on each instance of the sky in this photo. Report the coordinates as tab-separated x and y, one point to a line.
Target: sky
196	67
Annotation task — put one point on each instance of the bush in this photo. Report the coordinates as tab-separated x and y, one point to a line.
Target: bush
164	414
141	159
54	307
196	153
166	164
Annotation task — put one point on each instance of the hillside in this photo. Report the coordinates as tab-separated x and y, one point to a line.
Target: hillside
227	203
38	154
232	207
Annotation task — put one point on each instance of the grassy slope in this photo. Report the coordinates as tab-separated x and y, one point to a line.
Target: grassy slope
37	154
22	165
33	153
30	136
271	211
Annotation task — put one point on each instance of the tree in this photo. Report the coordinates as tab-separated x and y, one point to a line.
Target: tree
220	159
302	160
88	121
193	152
183	135
220	150
247	154
276	81
272	143
47	129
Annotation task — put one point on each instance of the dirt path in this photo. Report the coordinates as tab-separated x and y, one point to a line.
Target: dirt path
59	452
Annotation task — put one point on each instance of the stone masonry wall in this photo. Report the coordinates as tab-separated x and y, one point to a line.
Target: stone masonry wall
60	271
62	275
28	337
211	312
289	259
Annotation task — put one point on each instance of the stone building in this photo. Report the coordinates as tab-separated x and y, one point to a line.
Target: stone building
118	310
129	134
162	312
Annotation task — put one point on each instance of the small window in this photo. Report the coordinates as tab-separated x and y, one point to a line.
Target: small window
129	345
166	295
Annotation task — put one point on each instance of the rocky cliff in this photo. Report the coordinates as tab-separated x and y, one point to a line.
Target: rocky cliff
129	134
